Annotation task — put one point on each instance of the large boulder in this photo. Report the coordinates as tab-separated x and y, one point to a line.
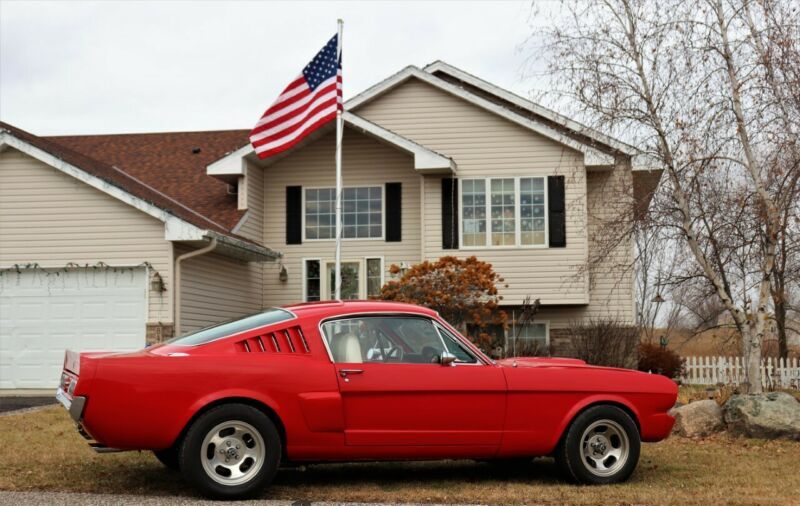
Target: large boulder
768	416
699	418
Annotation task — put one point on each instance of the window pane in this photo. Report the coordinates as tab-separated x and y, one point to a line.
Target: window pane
456	348
383	339
503	212
532	211
312	280
374	277
473	212
208	334
362	215
349	280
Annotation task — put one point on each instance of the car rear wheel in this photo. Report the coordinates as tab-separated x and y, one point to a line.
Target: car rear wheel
600	446
231	452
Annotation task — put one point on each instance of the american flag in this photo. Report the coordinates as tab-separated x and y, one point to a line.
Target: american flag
310	101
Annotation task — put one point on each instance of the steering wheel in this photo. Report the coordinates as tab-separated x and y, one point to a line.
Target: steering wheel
395	353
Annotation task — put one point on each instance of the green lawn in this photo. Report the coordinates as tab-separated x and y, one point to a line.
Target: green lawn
42	451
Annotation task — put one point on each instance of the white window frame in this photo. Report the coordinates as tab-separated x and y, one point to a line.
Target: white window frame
383	213
324	284
517	214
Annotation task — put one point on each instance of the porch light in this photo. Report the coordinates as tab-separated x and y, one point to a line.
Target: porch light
157	284
284	274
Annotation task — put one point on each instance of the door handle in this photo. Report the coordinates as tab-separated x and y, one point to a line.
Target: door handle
345	372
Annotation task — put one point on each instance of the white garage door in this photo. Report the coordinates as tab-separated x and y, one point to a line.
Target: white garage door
44	312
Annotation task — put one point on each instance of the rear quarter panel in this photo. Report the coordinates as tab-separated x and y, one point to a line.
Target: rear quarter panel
542	401
144	401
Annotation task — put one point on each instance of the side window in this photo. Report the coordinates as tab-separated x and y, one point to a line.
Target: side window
456	348
383	339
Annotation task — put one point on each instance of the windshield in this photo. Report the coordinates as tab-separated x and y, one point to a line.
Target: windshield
208	334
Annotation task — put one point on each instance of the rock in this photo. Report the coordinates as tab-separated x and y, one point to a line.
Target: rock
699	418
768	416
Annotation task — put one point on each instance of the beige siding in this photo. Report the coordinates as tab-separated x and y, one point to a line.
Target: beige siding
366	162
50	218
252	225
484	144
216	288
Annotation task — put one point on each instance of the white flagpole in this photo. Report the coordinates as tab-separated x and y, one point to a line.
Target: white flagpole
339	128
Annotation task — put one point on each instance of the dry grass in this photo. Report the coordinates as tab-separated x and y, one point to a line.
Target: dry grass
42	451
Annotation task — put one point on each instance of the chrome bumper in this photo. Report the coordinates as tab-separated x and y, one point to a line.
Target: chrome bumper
74	406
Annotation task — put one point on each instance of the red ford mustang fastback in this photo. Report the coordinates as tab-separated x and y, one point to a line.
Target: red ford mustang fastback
356	381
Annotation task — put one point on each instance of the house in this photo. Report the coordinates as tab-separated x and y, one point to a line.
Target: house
106	239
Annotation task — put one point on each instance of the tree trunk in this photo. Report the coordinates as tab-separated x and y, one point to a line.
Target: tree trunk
752	353
780	324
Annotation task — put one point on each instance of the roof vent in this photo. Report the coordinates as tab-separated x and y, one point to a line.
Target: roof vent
196	151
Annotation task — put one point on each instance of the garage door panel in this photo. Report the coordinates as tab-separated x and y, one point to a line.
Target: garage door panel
83	309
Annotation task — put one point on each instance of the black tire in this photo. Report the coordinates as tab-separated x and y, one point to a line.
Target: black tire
192	453
169	457
570	457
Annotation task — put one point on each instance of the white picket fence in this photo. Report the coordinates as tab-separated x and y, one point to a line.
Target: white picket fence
775	373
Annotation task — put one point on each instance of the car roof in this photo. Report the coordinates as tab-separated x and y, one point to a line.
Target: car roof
334	308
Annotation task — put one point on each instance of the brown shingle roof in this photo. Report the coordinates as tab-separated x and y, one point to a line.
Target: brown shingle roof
171	163
127	162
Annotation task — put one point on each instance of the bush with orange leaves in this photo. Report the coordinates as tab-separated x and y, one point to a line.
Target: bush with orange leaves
463	291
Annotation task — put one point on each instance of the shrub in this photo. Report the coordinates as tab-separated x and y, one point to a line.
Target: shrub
604	342
463	291
654	358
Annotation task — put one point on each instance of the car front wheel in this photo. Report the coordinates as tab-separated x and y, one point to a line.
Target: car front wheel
601	446
231	452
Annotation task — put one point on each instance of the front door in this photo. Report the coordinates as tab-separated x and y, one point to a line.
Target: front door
395	392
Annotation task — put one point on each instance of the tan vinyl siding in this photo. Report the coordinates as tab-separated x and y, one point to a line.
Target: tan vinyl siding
366	162
486	145
252	224
216	288
51	219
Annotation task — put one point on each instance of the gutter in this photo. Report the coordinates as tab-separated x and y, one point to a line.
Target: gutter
202	251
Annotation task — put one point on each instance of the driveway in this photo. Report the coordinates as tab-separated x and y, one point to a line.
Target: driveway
14	402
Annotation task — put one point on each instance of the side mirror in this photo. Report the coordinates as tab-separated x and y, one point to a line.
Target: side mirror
447	358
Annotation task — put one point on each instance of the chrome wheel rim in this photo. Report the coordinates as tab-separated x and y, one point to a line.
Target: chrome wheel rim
604	447
232	453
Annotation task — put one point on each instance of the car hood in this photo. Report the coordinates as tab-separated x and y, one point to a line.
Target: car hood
553	362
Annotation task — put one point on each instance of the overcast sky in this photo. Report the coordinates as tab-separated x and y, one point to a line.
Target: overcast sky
114	67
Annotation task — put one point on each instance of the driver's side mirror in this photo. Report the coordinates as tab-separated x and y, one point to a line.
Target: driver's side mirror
447	358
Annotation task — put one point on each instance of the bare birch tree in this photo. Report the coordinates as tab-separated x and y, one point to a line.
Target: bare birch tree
709	90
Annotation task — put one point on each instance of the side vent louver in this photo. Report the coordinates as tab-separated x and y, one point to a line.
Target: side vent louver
289	340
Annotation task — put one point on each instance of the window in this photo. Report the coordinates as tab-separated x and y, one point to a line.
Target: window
361	279
503	212
208	334
374	277
389	339
362	213
528	339
531	207
350	277
514	207
313	281
473	202
455	347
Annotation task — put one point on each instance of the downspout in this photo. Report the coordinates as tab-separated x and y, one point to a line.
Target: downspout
178	260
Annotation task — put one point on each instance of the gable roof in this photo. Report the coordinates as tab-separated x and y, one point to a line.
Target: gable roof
592	155
181	221
426	160
523	106
172	162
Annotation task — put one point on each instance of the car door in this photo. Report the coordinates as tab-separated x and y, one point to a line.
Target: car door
396	393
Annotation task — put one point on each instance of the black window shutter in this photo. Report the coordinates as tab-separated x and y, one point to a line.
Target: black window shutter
449	213
394	212
556	211
294	214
